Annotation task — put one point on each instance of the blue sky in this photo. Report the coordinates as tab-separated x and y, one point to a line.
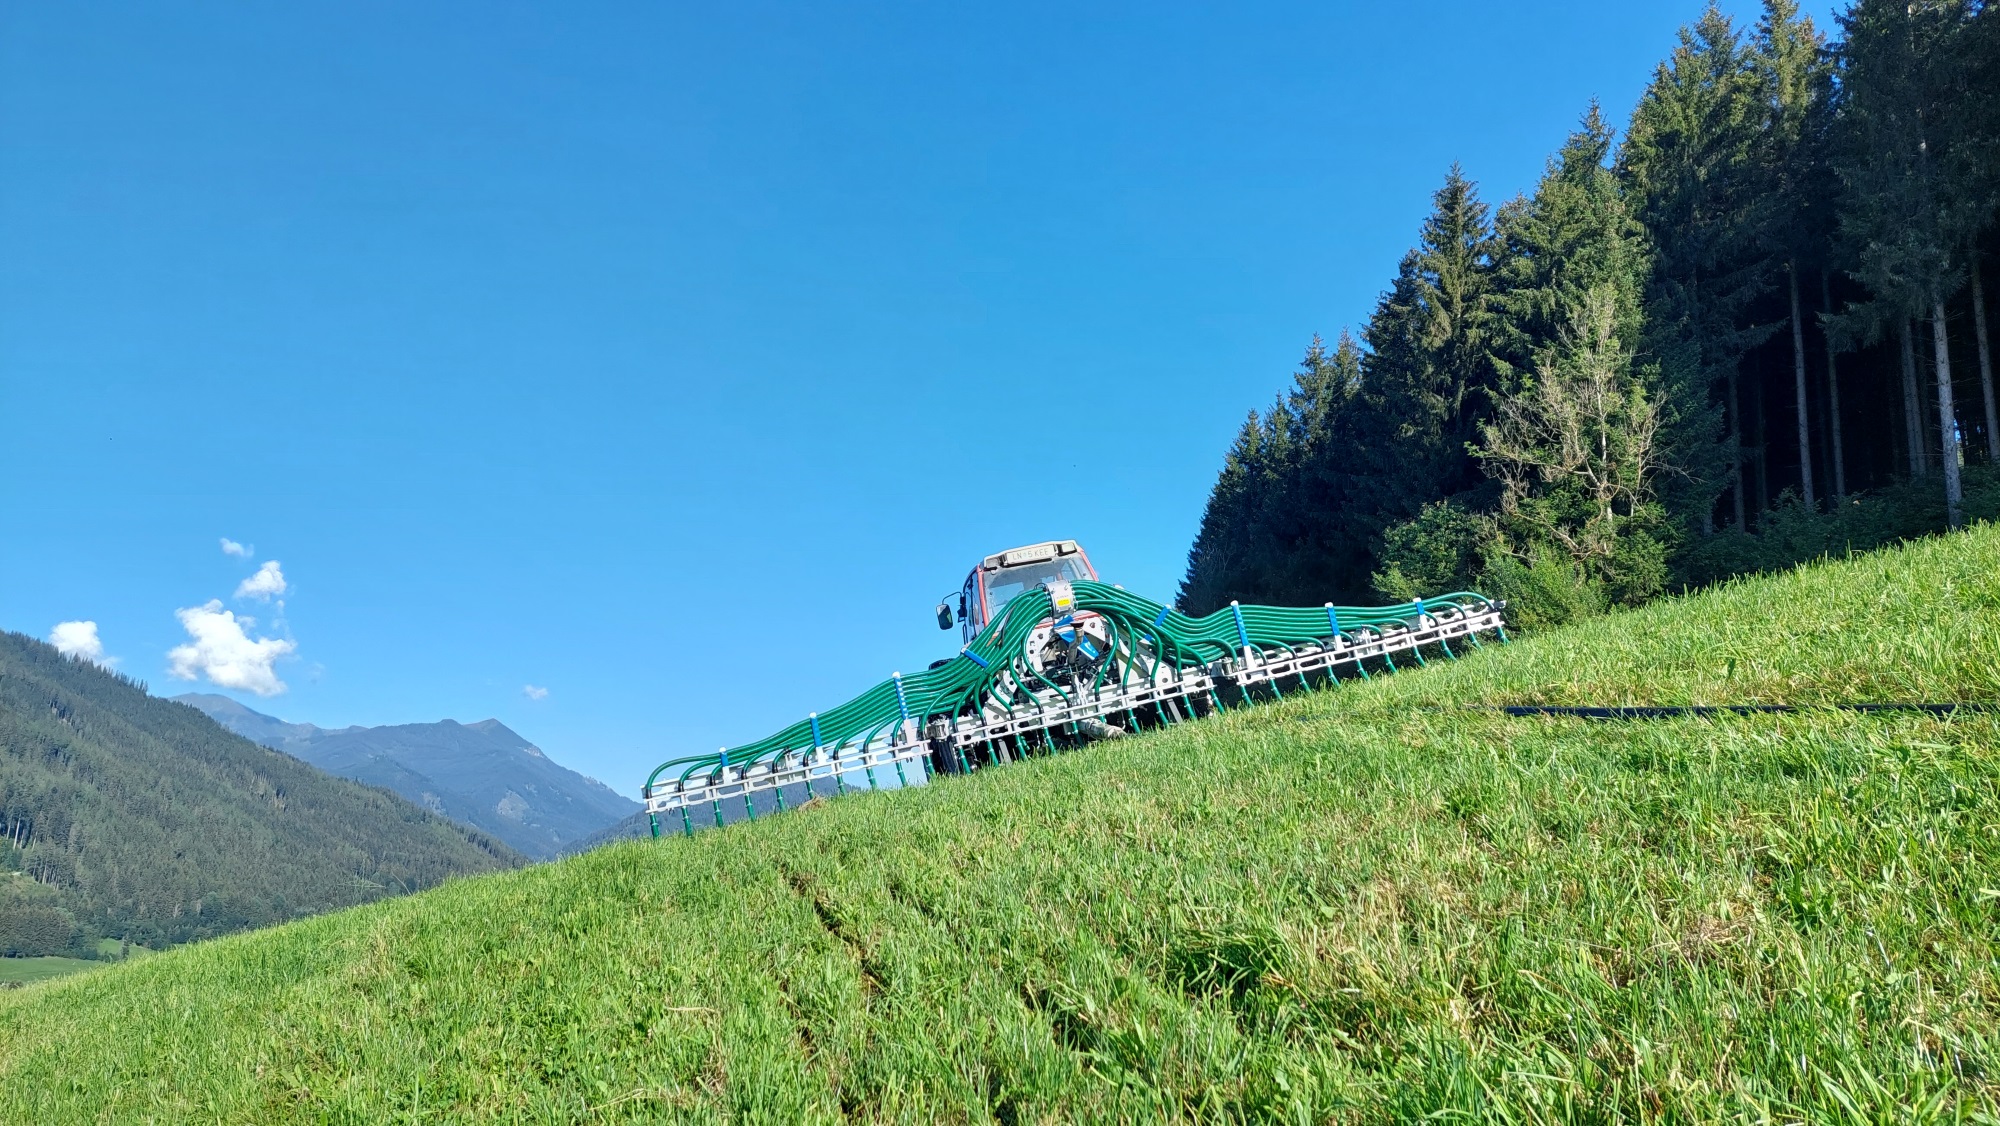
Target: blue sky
671	360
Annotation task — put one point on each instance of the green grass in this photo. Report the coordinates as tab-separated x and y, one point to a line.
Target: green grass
1364	905
23	970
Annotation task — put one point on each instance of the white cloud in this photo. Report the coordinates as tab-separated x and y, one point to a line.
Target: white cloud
268	582
534	692
79	639
231	547
230	658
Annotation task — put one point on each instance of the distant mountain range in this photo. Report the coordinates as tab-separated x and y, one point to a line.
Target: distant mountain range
479	774
634	827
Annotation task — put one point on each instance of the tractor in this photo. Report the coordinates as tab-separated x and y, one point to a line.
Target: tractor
1062	647
1051	659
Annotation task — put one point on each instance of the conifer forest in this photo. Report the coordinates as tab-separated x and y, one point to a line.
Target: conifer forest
1753	327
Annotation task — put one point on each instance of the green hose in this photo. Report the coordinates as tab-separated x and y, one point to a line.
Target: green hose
995	662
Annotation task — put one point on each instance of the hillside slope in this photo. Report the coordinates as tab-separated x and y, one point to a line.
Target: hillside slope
479	774
1370	903
135	817
635	827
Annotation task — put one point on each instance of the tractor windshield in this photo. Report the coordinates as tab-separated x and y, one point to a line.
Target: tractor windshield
1003	585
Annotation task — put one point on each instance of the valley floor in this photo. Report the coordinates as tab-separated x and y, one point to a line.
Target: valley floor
1384	901
23	970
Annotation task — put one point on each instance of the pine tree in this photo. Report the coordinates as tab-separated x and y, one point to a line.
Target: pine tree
1270	517
1308	520
1216	560
1689	170
1429	381
1913	416
1573	236
1568	312
1794	81
1981	77
1576	453
1601	342
1331	555
1913	203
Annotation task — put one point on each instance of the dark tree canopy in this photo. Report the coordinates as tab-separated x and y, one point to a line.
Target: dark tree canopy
1750	330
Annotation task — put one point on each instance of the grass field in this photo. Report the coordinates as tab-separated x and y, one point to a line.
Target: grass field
24	970
1366	904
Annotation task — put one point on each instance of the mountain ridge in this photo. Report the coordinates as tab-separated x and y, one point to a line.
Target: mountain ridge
482	774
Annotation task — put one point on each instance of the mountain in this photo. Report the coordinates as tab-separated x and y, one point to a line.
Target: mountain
479	774
254	726
632	828
123	815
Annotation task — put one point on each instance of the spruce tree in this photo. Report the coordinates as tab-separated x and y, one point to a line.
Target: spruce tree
1311	559
1216	559
1332	554
1577	455
1912	168
1688	166
1429	379
1273	526
1572	237
1626	312
1568	313
1793	82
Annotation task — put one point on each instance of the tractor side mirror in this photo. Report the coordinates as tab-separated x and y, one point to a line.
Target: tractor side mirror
944	616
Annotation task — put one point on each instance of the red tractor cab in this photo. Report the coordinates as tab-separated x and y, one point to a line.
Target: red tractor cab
1000	578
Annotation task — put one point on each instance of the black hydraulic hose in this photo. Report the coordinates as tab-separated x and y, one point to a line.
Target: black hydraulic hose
1738	709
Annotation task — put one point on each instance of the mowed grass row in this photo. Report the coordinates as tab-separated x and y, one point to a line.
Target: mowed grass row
1364	904
24	970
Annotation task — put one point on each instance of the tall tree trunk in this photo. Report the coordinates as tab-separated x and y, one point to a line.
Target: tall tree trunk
1833	400
1763	448
1927	358
1947	417
1913	423
1799	389
1736	444
1985	365
1898	441
1701	364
